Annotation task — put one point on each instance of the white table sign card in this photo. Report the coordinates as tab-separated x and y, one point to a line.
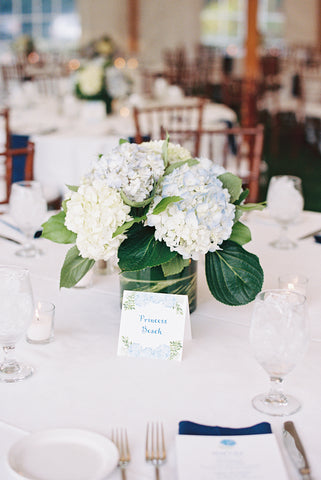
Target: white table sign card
242	457
154	325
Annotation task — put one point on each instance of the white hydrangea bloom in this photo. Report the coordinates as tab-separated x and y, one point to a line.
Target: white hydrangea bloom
176	153
203	219
91	79
94	212
129	167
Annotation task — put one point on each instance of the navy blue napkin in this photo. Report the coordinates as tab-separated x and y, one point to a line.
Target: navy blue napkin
145	138
317	238
190	428
18	167
231	138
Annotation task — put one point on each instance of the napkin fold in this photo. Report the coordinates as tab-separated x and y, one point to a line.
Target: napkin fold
186	427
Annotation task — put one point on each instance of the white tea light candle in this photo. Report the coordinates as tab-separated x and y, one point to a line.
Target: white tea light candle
41	329
294	282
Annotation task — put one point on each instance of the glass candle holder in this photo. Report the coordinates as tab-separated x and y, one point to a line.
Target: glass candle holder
41	329
294	282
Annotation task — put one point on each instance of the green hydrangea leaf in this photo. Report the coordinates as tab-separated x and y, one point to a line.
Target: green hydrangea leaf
131	203
127	225
190	162
140	250
242	197
175	266
248	207
165	150
56	231
163	204
233	185
234	276
74	268
241	234
73	188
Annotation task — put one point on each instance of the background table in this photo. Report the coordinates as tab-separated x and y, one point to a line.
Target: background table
81	383
68	141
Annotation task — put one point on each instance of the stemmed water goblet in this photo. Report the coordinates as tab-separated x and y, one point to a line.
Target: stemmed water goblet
27	208
279	336
285	203
16	313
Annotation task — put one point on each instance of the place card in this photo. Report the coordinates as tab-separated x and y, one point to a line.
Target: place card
154	325
238	457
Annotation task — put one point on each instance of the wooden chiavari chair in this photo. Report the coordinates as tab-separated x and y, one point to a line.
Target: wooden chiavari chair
24	155
149	120
237	149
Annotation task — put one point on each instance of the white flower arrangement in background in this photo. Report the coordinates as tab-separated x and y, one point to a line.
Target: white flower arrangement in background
97	80
90	79
154	205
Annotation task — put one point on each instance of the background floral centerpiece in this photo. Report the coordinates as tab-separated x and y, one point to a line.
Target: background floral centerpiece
103	47
23	45
98	78
155	207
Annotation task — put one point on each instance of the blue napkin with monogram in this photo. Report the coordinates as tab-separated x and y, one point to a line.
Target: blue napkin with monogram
191	428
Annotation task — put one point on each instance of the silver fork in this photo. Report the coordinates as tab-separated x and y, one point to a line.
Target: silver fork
155	446
120	439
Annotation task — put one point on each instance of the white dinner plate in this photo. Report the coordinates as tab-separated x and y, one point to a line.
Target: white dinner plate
63	454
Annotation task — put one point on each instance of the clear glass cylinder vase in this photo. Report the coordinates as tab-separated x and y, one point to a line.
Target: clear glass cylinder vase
153	280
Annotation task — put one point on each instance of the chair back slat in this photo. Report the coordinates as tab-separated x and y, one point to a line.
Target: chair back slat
4	113
237	149
9	158
150	120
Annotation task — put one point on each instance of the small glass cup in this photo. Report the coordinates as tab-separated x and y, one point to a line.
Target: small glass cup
294	282
41	329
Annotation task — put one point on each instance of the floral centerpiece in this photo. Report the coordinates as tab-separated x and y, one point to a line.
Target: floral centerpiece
155	207
98	79
103	46
23	45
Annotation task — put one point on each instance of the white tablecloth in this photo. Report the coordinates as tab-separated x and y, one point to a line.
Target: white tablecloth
66	145
80	382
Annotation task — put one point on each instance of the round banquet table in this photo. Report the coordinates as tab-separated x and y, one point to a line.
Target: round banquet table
80	382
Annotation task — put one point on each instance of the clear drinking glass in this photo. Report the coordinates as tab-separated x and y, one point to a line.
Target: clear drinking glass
16	313
285	203
27	208
279	336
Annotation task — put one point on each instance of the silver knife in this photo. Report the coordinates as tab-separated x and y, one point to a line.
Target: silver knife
310	234
10	239
295	449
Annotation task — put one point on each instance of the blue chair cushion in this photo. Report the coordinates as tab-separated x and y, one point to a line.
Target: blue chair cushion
19	161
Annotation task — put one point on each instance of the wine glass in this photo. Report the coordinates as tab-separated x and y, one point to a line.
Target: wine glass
27	208
285	203
279	337
16	312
